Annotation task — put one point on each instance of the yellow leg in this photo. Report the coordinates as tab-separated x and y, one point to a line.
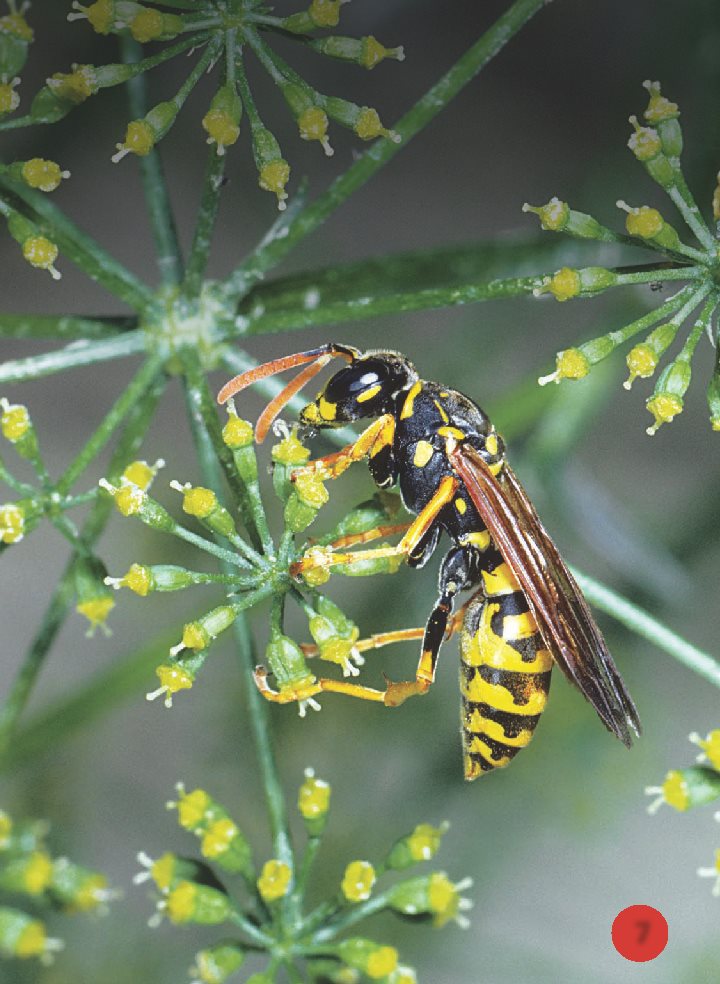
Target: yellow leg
324	556
308	691
377	435
352	539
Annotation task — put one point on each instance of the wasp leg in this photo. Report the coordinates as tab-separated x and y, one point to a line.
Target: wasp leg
419	528
375	442
307	691
380	639
352	539
459	570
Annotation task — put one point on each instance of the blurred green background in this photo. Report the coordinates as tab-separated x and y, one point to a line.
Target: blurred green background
560	842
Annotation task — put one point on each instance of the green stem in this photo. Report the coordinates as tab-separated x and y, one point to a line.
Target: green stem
350	917
157	199
377	155
642	623
63	327
704	319
203	409
209	203
134	391
209	546
21	688
82	249
657	314
257	707
72	356
660	276
686	205
360	308
250	929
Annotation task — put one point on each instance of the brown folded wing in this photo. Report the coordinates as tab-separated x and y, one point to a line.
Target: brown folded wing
562	614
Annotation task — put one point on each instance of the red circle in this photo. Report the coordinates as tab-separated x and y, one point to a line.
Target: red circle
640	933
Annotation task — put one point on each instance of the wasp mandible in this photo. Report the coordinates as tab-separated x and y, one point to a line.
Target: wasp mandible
526	611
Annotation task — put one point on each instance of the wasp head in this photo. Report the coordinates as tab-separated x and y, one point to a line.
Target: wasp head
368	387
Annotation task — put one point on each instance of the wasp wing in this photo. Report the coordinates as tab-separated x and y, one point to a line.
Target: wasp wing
561	612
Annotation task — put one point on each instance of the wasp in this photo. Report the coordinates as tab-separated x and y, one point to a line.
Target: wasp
526	611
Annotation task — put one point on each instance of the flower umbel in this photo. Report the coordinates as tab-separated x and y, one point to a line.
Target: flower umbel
658	147
267	913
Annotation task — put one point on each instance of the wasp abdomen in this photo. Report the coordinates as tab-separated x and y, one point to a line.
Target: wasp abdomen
505	674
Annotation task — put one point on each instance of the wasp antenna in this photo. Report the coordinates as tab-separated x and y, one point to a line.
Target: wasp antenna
278	402
275	366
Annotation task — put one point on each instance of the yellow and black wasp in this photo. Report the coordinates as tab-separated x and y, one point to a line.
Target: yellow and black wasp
526	611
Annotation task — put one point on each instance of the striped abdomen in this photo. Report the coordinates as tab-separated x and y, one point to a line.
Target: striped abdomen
504	673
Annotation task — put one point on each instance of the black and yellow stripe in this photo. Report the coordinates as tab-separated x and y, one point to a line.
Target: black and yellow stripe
505	673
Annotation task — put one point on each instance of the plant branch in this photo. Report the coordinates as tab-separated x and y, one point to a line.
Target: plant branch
72	356
63	327
644	624
132	393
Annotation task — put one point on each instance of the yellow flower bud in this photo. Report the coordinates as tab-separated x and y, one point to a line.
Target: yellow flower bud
358	881
42	174
40	252
274	880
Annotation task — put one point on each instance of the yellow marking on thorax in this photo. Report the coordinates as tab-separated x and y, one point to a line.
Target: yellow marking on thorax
407	410
491	443
423	453
385	436
480	691
461	506
495	730
478	539
451	432
478	745
328	411
444	393
485	648
501	581
441	411
370	393
496	467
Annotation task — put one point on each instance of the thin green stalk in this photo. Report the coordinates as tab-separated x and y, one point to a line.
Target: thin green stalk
23	683
659	276
63	327
686	205
249	928
360	308
82	249
641	622
257	707
446	266
381	151
157	199
86	703
133	392
670	306
53	619
350	917
207	214
72	356
203	408
209	546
